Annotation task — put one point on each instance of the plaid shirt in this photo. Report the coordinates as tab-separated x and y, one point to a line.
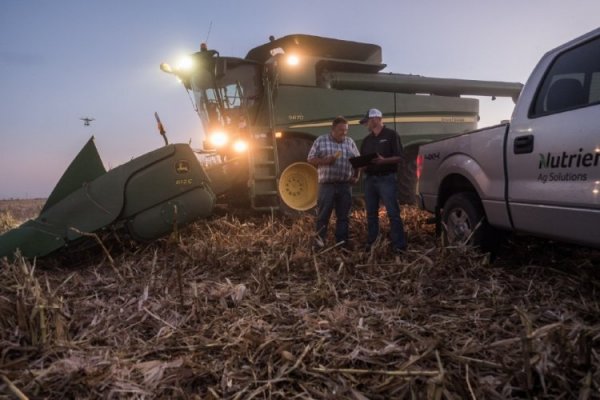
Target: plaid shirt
341	170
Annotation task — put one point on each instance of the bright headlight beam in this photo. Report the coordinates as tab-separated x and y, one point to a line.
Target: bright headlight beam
293	60
218	139
240	146
185	63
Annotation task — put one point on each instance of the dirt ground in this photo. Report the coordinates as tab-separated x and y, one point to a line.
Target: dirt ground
244	308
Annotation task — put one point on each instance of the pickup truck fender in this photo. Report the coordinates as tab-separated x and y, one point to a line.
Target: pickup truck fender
477	167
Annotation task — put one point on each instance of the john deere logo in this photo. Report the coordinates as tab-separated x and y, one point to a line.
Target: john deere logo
182	167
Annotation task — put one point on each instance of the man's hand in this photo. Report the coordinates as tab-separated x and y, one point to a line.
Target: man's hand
385	160
328	160
378	160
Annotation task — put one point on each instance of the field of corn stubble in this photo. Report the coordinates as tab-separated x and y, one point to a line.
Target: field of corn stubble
243	308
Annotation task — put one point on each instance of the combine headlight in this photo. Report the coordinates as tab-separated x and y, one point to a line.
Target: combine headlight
240	146
218	139
293	60
185	63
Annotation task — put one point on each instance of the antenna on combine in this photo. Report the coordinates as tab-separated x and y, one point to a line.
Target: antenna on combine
161	129
208	34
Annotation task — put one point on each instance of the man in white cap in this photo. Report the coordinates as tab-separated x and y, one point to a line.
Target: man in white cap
381	180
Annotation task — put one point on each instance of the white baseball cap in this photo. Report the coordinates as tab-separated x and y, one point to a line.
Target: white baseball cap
372	113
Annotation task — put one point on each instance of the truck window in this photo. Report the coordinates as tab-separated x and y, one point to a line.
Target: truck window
572	81
595	88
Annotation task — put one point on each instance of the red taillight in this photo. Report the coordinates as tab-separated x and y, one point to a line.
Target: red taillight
419	165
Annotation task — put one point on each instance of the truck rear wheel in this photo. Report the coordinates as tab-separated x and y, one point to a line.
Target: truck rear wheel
464	220
407	176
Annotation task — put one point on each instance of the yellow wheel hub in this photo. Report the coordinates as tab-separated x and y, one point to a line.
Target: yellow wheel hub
298	186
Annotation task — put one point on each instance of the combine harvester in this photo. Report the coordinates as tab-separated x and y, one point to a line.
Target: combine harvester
261	114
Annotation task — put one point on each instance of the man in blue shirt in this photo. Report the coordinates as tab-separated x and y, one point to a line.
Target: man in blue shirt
330	154
381	181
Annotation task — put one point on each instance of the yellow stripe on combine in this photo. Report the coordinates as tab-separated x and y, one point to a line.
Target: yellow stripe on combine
456	119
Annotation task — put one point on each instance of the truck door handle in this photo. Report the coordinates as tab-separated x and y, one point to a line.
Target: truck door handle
523	144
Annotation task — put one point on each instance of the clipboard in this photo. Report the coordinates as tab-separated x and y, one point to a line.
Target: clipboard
362	161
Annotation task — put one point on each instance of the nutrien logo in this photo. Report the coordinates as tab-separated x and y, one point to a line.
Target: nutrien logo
566	160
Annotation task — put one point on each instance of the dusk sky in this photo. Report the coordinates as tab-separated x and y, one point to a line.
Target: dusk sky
62	60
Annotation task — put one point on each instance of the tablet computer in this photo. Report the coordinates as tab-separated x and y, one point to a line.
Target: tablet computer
362	161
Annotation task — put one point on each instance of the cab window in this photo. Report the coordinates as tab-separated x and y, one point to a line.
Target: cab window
573	81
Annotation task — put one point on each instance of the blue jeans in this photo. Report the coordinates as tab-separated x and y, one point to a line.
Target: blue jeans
385	189
338	197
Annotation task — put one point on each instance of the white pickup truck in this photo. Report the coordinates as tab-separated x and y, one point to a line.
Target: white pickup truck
538	174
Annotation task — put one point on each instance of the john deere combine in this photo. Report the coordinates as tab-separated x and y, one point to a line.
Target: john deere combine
260	114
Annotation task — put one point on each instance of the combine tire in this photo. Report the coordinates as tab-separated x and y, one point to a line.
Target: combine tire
289	151
298	186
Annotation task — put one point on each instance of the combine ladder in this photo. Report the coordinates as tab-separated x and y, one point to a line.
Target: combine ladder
264	169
